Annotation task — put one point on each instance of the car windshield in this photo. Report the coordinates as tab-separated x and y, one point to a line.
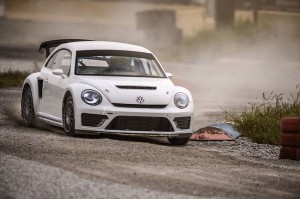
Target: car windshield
117	63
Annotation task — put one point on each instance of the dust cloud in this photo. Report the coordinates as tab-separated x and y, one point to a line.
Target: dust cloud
232	71
224	68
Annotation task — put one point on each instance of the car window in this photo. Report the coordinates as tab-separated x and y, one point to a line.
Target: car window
151	68
62	61
51	61
117	63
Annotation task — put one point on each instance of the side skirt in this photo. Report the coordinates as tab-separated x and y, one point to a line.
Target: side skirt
50	119
145	134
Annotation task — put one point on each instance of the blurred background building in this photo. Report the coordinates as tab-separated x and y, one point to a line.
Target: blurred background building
28	22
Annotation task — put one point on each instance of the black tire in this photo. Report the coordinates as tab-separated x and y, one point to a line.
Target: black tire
27	107
68	117
290	125
179	140
288	153
290	140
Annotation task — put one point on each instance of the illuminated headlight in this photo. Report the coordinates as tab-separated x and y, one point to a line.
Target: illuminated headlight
181	100
91	97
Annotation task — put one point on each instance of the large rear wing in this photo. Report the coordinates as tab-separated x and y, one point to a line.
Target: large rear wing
47	45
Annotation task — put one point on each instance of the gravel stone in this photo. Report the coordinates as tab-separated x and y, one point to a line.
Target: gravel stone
42	162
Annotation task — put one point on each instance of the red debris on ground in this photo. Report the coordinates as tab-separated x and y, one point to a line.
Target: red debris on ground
211	134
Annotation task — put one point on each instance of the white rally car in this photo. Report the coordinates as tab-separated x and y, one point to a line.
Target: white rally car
91	87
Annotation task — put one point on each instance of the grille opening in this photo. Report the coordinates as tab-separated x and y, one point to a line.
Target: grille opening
136	87
136	123
139	105
94	120
183	122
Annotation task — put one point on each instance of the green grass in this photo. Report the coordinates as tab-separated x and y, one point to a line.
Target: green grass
12	79
261	121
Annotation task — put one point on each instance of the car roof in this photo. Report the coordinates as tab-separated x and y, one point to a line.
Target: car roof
103	45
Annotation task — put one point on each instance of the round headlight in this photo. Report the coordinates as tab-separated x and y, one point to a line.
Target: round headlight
91	97
181	100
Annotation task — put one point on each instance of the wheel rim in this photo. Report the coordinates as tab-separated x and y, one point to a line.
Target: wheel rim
68	116
27	108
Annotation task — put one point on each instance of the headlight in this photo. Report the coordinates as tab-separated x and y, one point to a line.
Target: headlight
181	100
91	97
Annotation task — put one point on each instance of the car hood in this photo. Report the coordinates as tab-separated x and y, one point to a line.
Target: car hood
127	90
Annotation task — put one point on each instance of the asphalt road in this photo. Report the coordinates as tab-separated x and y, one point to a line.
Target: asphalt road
42	162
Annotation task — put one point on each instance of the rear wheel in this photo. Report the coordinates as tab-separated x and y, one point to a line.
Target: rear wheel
27	107
179	140
68	117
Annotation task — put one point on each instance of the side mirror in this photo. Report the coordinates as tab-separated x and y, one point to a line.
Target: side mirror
169	75
58	72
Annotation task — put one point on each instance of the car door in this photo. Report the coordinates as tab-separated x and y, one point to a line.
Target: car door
46	71
54	85
57	84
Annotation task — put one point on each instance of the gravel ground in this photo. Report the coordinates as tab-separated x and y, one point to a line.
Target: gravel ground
42	162
242	147
42	181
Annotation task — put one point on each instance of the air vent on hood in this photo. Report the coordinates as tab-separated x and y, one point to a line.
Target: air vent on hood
136	87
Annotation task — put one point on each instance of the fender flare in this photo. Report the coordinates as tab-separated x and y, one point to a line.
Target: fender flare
32	82
76	89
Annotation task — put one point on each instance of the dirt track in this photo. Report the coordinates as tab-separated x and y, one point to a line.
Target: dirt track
42	162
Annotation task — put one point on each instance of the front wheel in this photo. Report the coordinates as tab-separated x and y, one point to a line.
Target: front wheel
27	108
179	140
68	117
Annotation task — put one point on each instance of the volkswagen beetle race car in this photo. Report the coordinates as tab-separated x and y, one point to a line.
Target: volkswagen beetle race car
91	87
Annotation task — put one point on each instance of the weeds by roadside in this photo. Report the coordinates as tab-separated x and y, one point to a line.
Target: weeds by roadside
12	78
261	121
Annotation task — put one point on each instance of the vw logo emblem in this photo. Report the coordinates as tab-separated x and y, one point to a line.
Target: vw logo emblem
140	100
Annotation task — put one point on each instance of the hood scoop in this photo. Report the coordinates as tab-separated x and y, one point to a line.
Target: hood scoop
136	87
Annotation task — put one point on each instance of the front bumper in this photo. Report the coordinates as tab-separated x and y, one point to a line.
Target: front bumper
170	112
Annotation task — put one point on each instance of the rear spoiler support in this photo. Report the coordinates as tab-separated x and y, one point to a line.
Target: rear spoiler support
54	43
